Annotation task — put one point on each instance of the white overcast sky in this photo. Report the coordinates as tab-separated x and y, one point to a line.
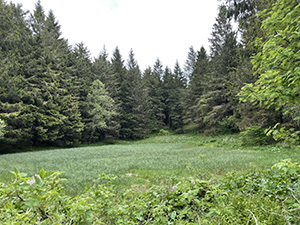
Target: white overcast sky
163	29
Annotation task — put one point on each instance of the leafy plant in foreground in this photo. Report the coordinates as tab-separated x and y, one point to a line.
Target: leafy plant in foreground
260	197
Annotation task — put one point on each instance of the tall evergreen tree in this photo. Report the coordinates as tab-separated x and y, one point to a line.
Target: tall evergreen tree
173	86
177	95
15	39
249	25
190	62
198	80
167	87
124	94
149	83
103	70
153	86
119	74
45	113
138	98
214	104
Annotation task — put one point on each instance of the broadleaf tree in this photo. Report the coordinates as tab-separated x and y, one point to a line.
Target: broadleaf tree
101	109
277	65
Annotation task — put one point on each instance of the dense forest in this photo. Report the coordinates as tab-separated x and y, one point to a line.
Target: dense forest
54	94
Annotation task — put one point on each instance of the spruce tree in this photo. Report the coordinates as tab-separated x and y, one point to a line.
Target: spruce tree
149	83
128	93
45	113
214	103
249	24
167	87
177	96
138	98
153	85
198	80
190	62
103	70
15	39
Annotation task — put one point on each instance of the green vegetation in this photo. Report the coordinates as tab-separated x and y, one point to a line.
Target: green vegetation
152	161
277	66
52	94
164	179
2	126
55	95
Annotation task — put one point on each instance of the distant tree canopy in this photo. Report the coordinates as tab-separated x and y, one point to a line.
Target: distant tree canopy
55	94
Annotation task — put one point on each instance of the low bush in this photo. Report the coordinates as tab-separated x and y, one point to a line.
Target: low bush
255	135
227	126
163	132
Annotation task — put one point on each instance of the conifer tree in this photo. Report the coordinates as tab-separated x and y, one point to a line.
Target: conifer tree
128	93
103	70
138	98
167	87
177	95
15	44
214	104
45	114
149	83
249	24
119	74
15	38
154	89
198	80
190	62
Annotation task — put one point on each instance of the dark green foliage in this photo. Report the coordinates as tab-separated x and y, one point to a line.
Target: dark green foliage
129	95
103	70
197	82
47	87
173	91
227	126
38	108
190	62
255	135
177	99
138	97
152	80
214	102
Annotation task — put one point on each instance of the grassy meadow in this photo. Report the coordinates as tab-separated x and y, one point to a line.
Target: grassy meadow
158	160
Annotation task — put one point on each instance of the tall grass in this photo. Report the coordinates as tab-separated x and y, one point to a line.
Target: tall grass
153	161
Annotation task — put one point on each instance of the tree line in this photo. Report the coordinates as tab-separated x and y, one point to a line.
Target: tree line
52	93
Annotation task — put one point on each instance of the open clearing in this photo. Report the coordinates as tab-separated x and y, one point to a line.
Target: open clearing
159	160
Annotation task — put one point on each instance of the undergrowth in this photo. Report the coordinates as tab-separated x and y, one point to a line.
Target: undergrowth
263	197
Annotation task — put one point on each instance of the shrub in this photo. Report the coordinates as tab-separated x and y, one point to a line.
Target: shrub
227	126
255	135
163	132
2	126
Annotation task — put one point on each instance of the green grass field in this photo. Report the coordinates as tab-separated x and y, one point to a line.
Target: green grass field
159	160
